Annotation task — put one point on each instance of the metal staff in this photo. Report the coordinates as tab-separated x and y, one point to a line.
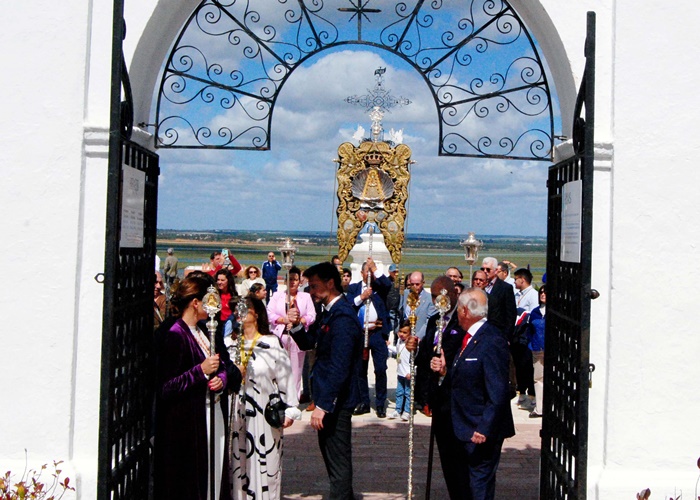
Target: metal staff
287	250
368	302
412	301
442	304
242	312
212	305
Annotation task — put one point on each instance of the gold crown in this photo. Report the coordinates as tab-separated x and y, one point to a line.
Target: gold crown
374	158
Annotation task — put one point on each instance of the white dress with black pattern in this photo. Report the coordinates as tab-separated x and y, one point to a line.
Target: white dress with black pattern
256	447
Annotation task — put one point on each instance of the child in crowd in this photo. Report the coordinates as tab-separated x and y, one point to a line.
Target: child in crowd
403	373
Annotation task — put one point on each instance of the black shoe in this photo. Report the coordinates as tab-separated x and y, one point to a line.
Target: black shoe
534	414
381	413
361	409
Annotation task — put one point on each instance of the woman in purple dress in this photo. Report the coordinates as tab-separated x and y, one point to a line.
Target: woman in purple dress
186	376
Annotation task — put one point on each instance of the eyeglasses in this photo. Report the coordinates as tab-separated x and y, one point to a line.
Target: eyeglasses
252	271
542	292
486	269
415	284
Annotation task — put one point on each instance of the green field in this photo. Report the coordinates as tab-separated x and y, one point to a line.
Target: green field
432	255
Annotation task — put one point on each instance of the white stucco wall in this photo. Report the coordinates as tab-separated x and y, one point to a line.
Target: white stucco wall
643	410
52	197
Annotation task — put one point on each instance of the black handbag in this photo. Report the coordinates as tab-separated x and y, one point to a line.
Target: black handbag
274	411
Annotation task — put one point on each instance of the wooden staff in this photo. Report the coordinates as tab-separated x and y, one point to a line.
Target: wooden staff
413	301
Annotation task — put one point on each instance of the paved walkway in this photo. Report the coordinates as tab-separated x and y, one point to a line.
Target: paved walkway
380	458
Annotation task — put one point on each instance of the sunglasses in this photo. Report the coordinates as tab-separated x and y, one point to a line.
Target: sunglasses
487	269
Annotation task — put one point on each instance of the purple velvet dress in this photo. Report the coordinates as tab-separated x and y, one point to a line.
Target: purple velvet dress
181	449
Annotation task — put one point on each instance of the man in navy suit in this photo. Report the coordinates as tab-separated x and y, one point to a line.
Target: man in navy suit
376	319
502	311
481	415
337	338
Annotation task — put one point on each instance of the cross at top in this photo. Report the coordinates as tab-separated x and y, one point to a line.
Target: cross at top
378	97
358	9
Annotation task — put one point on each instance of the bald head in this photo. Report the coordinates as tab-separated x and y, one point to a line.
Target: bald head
416	281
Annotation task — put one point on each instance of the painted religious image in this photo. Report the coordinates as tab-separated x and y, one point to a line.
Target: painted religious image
372	188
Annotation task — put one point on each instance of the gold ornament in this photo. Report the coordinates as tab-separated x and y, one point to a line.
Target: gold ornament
372	187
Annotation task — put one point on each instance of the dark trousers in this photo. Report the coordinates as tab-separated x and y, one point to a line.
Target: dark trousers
336	448
524	373
380	353
453	456
482	465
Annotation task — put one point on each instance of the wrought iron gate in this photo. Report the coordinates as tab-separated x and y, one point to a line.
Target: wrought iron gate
126	400
567	368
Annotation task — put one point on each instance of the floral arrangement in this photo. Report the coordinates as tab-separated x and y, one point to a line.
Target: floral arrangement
31	486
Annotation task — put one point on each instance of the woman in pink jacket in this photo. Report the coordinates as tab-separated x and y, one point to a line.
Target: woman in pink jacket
279	324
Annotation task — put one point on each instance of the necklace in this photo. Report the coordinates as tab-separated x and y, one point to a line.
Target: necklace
247	354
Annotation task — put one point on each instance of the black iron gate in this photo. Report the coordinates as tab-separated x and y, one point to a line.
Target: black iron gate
126	390
567	368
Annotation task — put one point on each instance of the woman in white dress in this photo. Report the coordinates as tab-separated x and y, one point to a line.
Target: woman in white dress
256	447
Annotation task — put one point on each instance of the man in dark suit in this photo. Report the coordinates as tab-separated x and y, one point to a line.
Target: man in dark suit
337	338
376	319
435	392
481	415
501	298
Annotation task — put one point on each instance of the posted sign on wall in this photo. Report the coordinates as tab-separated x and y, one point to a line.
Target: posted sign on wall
133	195
571	222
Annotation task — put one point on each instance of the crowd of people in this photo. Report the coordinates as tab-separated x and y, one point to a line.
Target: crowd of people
311	343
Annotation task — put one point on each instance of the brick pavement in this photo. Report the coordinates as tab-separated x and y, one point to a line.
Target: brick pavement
380	458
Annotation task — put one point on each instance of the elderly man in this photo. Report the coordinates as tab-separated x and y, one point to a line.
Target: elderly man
434	392
479	279
502	312
425	308
480	404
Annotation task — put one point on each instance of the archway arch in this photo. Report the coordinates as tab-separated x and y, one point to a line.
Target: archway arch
166	22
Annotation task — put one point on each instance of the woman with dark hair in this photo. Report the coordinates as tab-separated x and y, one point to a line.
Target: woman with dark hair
226	286
277	311
256	446
186	376
252	275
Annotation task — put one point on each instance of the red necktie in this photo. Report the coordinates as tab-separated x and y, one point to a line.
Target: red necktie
465	340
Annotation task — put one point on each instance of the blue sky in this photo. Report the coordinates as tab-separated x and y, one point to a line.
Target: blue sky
291	187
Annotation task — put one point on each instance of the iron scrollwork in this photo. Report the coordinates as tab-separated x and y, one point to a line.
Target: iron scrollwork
223	75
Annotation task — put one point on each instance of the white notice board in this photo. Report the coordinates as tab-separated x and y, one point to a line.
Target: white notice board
133	195
571	222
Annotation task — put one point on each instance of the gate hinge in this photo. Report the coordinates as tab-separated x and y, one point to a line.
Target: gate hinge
591	369
100	278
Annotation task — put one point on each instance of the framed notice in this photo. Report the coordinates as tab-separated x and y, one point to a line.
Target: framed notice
133	194
571	222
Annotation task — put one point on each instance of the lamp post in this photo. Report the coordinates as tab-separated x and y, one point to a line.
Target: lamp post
471	250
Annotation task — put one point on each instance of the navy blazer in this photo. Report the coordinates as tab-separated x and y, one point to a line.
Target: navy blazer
502	312
479	379
338	339
380	288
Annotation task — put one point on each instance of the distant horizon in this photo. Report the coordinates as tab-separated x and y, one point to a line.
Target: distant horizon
333	233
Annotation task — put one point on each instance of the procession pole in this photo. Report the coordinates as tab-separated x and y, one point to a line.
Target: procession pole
368	301
413	301
235	350
212	305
